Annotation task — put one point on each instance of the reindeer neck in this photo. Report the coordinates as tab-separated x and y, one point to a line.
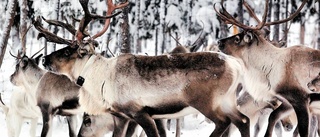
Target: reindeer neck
262	55
78	67
264	63
32	80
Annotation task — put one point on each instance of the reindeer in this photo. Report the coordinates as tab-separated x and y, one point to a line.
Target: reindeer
54	94
99	125
199	81
95	125
22	107
270	71
258	112
143	87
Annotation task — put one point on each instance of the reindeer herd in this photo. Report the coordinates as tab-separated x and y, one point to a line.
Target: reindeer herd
232	86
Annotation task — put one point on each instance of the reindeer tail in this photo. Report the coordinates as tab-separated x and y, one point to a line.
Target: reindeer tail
3	106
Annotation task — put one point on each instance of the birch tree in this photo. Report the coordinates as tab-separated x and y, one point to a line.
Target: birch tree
8	24
124	39
137	43
318	43
23	24
276	14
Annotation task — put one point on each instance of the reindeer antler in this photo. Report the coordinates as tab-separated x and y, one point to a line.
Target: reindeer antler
68	26
111	8
48	35
79	34
225	16
1	100
37	52
17	57
88	17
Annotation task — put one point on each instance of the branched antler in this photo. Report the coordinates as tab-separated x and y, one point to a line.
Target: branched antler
50	37
111	8
229	19
88	17
80	33
68	26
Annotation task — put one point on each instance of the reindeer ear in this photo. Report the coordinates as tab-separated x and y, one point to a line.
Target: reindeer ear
82	51
24	62
248	37
265	32
37	59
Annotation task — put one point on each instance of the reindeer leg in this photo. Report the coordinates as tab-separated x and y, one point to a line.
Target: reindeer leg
300	104
131	128
275	116
221	121
303	119
178	127
47	123
168	124
221	127
313	131
262	119
72	124
318	128
147	123
228	131
278	129
256	129
33	127
17	122
120	126
47	120
243	124
160	127
287	123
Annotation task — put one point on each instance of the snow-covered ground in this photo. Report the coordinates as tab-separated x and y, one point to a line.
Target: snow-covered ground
194	126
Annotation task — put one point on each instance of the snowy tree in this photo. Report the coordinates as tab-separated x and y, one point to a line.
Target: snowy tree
124	38
7	27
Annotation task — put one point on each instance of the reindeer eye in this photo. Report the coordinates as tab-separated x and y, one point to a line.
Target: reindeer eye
248	37
237	39
67	53
87	121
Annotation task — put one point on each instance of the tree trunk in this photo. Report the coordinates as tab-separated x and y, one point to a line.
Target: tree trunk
240	11
223	31
189	4
302	32
137	42
124	40
23	24
285	25
55	28
156	42
318	43
8	24
276	14
269	14
162	13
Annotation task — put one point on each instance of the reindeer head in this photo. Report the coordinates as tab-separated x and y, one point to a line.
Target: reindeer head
236	44
251	36
25	66
63	60
314	85
96	125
